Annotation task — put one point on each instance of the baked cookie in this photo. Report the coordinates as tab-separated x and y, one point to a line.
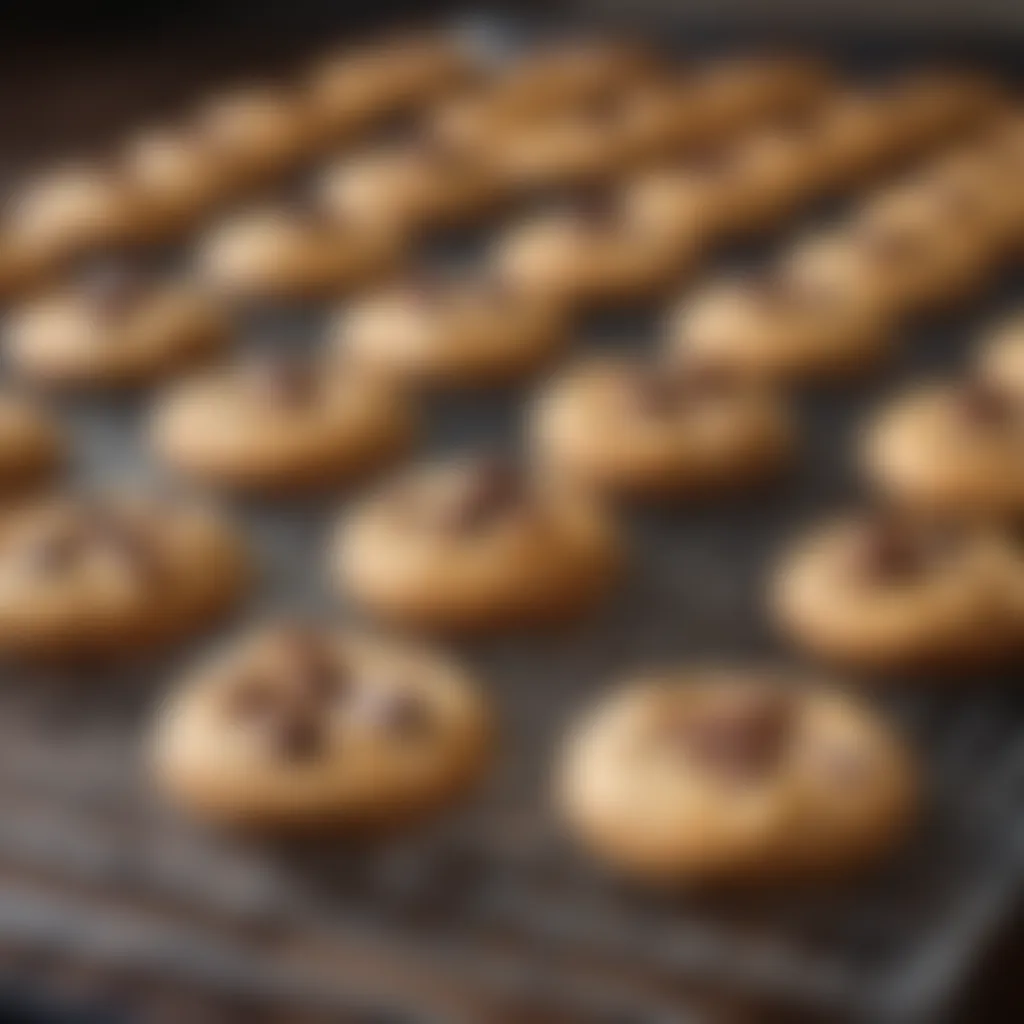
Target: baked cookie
736	91
31	446
304	727
883	591
76	209
591	251
718	774
1001	359
293	251
350	90
409	187
780	326
431	328
256	133
643	429
112	576
475	544
115	324
951	448
276	422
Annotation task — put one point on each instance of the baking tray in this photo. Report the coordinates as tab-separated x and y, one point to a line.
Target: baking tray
111	900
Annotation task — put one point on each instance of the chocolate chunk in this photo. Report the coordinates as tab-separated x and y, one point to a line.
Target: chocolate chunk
984	404
890	549
314	669
281	380
662	391
397	712
737	735
297	735
490	489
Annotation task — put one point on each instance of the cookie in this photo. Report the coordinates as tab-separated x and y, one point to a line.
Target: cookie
928	258
409	187
955	448
734	774
652	430
591	251
112	576
114	324
1001	359
436	329
292	251
256	133
31	446
885	592
302	727
777	325
350	90
475	544
278	422
75	209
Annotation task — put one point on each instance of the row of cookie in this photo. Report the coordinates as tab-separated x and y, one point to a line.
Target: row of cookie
163	179
685	775
622	242
829	306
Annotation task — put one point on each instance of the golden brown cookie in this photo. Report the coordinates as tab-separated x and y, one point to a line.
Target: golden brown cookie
31	445
1001	358
279	422
883	591
716	774
471	330
113	576
115	324
475	544
301	727
642	429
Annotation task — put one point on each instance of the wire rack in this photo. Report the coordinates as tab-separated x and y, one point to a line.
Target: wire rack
488	916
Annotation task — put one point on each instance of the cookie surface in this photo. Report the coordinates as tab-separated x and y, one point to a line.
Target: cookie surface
31	445
780	326
718	774
475	545
277	422
467	330
303	727
114	325
885	592
1001	359
656	430
112	576
954	448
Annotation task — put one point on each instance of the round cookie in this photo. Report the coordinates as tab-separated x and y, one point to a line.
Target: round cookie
718	774
956	449
31	446
591	251
928	259
452	330
779	326
112	576
300	727
1001	359
75	209
646	430
408	187
256	133
114	325
276	423
475	544
350	90
293	251
885	592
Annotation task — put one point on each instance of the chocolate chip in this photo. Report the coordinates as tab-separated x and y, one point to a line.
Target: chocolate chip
739	736
887	548
314	668
984	404
254	701
662	391
281	380
397	712
297	735
490	489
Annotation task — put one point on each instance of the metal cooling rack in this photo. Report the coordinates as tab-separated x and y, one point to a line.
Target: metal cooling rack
487	916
